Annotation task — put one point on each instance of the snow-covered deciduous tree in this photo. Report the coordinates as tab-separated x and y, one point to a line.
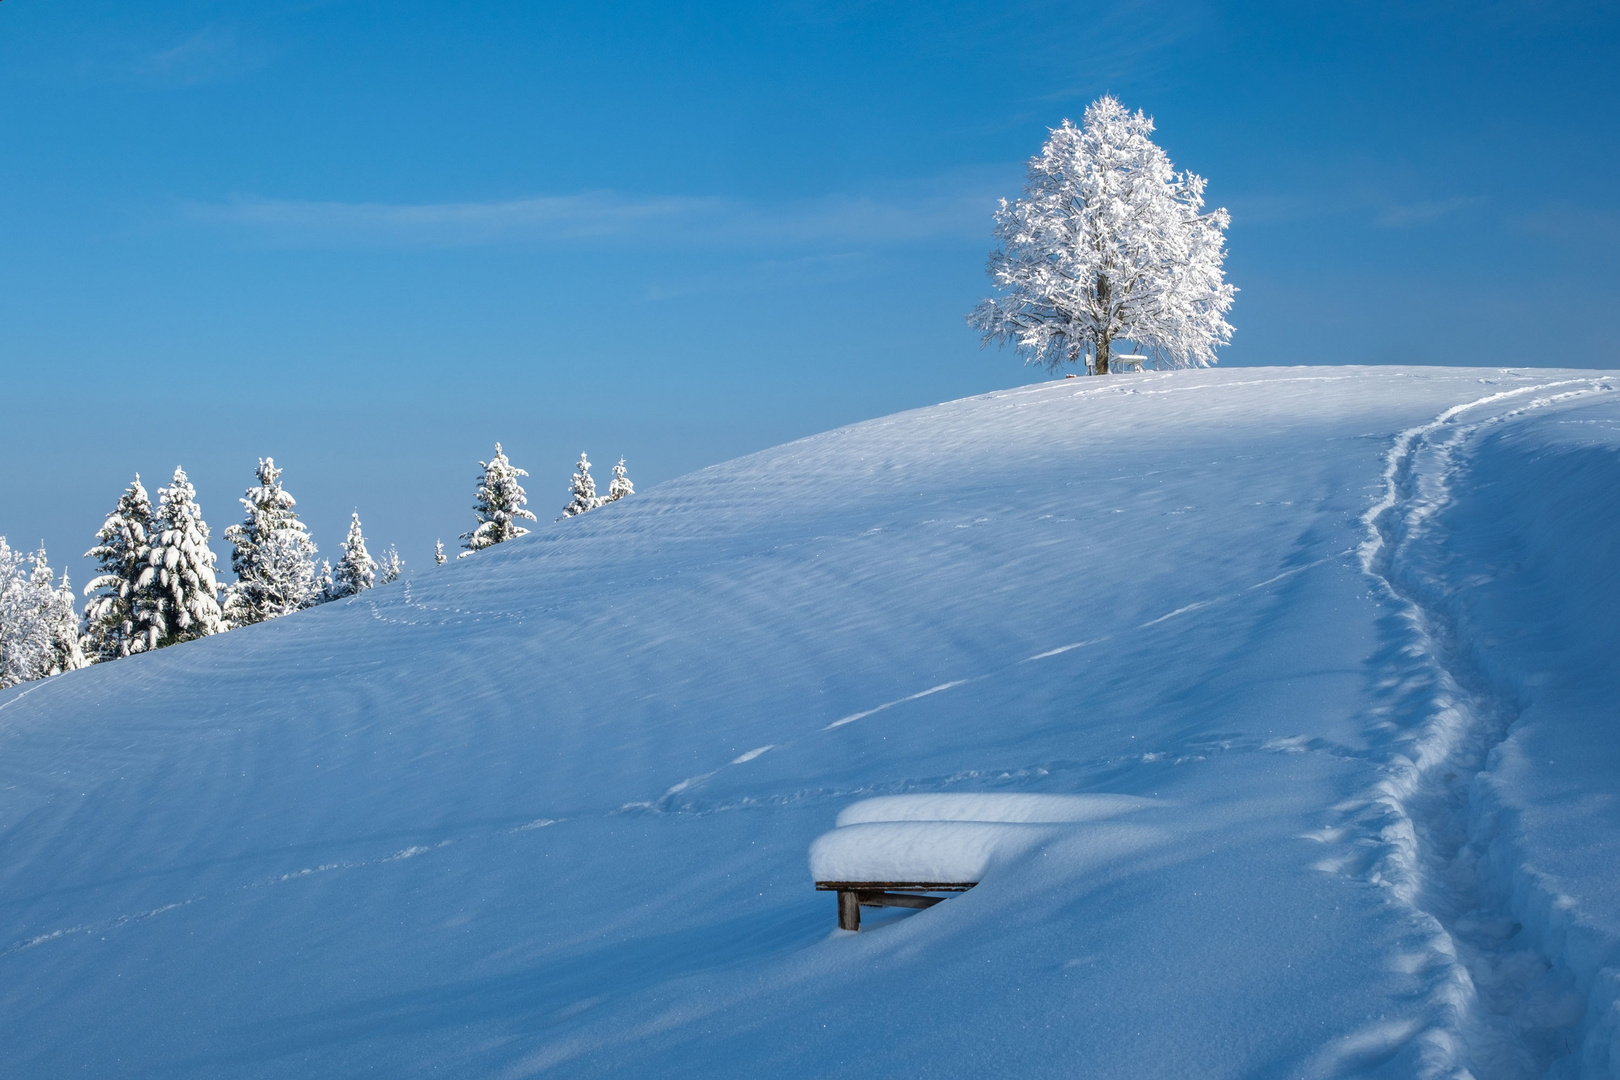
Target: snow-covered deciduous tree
438	552
499	505
1108	243
620	485
39	630
390	566
581	491
272	554
357	570
177	596
120	554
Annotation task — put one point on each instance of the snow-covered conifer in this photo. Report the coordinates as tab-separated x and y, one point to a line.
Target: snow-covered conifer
21	643
323	583
499	504
620	486
60	623
1108	243
357	570
582	491
39	631
120	554
390	566
177	594
438	552
272	554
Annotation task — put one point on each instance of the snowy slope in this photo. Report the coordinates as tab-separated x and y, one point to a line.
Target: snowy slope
545	811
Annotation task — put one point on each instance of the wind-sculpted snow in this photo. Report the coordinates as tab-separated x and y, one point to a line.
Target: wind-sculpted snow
1342	646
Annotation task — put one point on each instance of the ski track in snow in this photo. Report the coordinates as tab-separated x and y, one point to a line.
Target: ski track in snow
1417	817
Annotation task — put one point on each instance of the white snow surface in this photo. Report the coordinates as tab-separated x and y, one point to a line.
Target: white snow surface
544	811
989	806
921	851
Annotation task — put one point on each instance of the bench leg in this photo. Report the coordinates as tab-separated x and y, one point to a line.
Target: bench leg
849	909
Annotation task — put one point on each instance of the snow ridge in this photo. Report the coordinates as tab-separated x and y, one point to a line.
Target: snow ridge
1444	715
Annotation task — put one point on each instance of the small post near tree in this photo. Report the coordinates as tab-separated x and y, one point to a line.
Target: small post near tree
1109	243
499	505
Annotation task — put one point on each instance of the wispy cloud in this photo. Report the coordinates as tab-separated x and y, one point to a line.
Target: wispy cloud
957	207
208	55
1418	213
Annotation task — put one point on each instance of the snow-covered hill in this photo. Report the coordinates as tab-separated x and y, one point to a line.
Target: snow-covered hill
545	811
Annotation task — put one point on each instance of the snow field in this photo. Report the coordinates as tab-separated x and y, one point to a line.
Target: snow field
545	810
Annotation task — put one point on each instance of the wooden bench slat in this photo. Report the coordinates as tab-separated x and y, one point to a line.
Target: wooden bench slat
908	886
853	894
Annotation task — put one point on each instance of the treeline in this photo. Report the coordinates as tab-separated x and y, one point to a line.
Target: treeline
157	584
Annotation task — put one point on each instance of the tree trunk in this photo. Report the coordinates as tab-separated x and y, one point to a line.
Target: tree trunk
1104	290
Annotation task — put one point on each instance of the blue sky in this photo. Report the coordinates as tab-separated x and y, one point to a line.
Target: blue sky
370	239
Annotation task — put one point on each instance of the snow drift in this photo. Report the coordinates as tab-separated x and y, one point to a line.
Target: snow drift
1346	634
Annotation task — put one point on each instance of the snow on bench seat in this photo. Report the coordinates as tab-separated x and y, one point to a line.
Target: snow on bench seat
954	852
990	807
883	850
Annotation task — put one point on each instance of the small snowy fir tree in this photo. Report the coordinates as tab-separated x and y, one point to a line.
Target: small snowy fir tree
39	631
59	622
323	583
177	594
390	566
620	486
357	570
581	492
120	554
272	554
1109	243
438	552
499	505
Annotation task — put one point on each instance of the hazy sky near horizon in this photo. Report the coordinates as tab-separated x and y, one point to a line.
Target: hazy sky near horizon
370	239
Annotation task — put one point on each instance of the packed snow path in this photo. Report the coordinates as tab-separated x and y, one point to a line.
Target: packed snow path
545	811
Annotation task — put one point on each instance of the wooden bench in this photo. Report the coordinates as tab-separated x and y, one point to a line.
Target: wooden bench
892	850
853	895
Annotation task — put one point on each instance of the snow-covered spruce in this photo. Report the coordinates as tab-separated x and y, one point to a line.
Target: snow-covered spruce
176	596
499	505
390	566
20	638
357	570
60	621
582	496
620	486
272	554
39	630
1108	243
120	554
438	552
